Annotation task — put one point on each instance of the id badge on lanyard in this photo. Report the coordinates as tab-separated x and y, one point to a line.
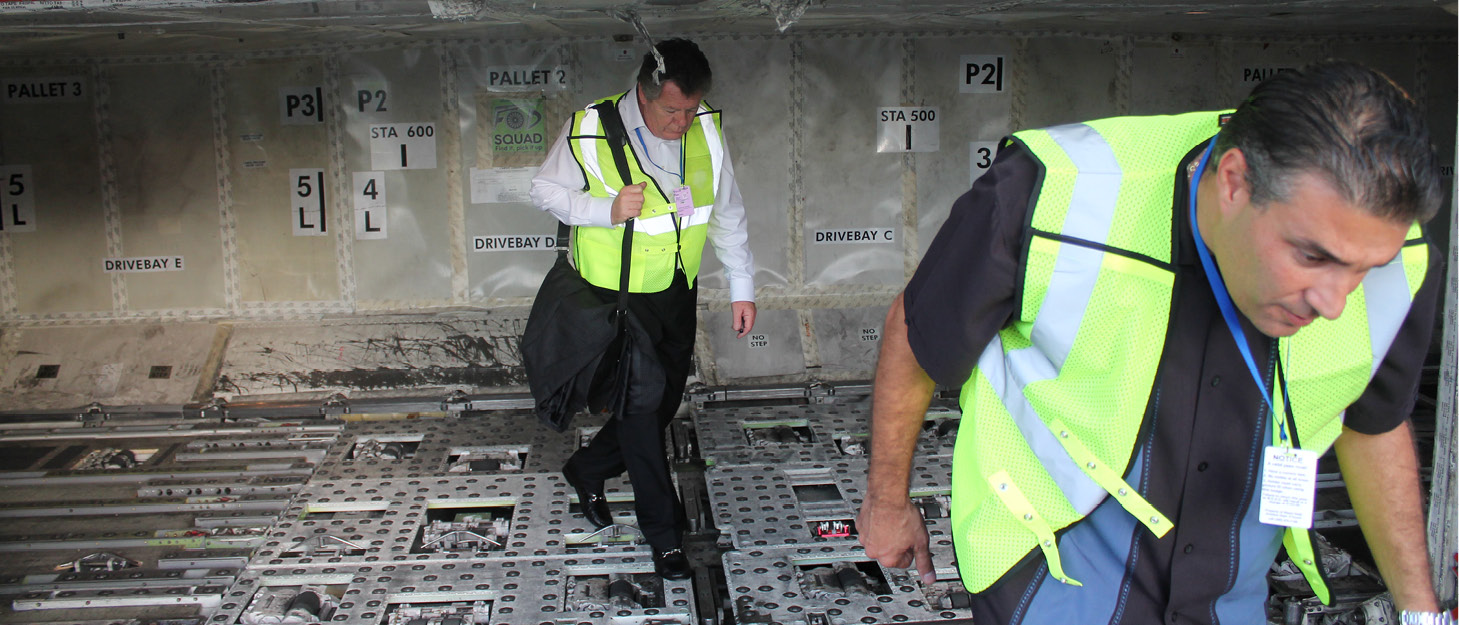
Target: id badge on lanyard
1289	474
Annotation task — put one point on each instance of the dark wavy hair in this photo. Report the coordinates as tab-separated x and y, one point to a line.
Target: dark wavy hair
1346	123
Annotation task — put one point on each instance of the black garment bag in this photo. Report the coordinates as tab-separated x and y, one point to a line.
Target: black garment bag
580	350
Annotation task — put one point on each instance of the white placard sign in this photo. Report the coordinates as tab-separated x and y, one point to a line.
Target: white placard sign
43	89
502	78
1288	487
906	129
17	199
982	73
1252	74
403	146
869	335
370	217
306	196
758	341
299	106
513	242
501	185
855	235
142	264
980	155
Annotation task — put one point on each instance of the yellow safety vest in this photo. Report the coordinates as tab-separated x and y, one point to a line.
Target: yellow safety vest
658	235
1054	407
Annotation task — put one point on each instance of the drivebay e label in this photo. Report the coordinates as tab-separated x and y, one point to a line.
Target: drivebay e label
855	235
513	243
142	264
43	89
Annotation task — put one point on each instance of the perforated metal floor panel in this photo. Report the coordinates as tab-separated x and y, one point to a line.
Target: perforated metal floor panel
405	519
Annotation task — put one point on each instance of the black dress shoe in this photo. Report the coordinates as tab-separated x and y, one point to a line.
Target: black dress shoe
672	564
590	499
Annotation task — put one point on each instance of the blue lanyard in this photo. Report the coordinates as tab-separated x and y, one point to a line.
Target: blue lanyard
646	152
1228	309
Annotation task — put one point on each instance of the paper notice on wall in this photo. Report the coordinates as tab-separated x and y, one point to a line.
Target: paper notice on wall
502	185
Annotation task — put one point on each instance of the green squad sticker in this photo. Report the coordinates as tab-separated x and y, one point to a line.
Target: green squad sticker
519	126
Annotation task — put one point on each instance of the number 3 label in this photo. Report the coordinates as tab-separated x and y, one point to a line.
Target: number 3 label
982	73
981	154
17	200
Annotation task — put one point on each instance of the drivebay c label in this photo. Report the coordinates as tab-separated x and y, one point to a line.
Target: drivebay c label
142	264
513	243
501	78
43	89
856	235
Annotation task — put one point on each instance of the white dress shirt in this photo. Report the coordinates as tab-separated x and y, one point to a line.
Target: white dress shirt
557	189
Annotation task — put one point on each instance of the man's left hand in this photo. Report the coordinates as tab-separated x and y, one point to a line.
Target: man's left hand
742	318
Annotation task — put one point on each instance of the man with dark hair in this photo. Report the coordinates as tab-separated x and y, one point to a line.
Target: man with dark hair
1132	309
682	193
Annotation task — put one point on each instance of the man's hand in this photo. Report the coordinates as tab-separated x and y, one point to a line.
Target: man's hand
894	534
629	203
742	318
891	528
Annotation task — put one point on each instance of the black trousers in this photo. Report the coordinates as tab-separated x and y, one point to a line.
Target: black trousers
635	442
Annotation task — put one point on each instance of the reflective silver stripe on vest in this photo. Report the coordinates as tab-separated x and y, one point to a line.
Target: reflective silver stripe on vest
711	140
1385	290
1091	211
1090	215
664	224
1008	376
588	148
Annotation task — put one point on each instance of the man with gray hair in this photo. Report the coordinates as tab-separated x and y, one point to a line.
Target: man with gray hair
681	193
1159	324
